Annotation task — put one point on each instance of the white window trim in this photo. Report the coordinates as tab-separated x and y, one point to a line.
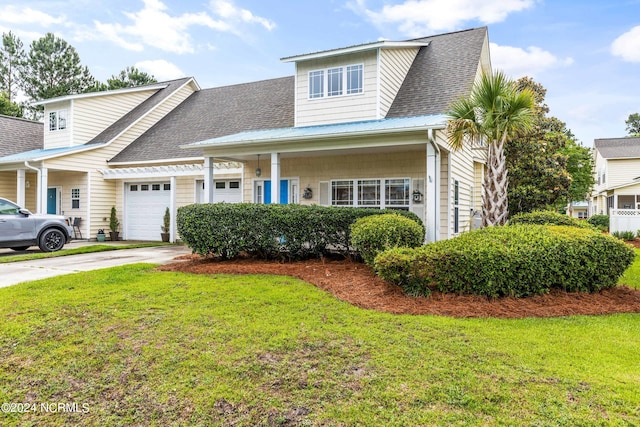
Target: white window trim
382	195
58	113
325	82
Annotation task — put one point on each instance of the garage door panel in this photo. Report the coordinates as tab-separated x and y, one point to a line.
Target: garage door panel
146	204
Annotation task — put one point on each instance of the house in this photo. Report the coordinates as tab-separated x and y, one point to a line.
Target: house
617	175
578	210
355	126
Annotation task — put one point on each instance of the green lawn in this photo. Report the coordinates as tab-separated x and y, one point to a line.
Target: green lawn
132	346
75	251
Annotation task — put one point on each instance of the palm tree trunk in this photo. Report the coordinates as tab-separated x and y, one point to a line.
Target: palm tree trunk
495	207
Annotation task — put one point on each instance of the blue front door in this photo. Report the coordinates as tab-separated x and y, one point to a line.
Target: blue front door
284	192
52	201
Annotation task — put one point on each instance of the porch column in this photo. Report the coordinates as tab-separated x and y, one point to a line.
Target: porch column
172	209
43	184
275	178
208	179
20	188
432	200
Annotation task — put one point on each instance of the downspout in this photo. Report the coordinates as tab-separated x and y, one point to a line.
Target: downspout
432	201
39	185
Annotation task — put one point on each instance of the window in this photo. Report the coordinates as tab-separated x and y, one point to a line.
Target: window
166	187
221	185
334	81
331	81
456	206
234	184
316	84
391	193
144	187
57	120
8	208
155	187
75	198
133	187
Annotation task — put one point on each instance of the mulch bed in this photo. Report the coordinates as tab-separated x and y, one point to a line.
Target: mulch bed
357	284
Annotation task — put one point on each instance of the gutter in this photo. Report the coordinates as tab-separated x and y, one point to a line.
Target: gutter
432	201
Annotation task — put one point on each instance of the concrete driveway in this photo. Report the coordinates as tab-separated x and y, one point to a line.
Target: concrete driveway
24	271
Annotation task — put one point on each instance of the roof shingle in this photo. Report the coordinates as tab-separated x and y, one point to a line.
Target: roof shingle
613	148
18	135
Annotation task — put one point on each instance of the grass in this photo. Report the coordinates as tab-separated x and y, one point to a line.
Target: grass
75	251
631	277
141	347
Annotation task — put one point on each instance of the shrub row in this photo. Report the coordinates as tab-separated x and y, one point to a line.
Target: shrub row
519	260
271	231
548	218
373	234
601	222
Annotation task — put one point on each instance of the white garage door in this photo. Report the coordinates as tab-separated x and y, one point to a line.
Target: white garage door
223	191
146	203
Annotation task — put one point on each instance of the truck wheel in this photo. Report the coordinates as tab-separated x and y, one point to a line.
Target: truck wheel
51	240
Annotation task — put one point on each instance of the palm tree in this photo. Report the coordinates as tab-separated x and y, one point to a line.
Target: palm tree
492	113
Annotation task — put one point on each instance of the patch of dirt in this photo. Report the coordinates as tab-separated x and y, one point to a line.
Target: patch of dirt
357	284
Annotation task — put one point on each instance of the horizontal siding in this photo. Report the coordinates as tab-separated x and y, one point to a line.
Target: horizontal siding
394	65
94	115
621	172
58	138
9	185
337	109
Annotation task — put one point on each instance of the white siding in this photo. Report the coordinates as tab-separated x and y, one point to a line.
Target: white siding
345	108
394	65
621	171
58	138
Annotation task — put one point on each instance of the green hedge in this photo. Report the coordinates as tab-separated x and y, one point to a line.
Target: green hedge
271	231
374	234
518	260
601	222
547	218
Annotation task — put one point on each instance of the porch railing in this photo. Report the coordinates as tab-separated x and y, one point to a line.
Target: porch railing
624	220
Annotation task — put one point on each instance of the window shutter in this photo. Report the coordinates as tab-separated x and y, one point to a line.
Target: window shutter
323	193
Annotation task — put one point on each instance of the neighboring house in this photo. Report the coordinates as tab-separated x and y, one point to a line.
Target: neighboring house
579	210
357	126
617	175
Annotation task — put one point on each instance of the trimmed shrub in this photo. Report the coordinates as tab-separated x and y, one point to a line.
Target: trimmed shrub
519	261
271	231
547	218
374	234
601	222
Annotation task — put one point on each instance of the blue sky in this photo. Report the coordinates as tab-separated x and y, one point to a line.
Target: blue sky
586	53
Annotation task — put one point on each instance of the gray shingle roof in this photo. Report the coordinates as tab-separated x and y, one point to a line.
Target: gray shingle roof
441	72
612	148
128	119
18	135
210	113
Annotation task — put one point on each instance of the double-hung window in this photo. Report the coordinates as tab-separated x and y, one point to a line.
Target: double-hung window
336	81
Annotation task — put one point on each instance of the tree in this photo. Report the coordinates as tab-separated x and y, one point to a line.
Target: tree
547	166
633	124
9	108
53	69
493	112
129	77
12	59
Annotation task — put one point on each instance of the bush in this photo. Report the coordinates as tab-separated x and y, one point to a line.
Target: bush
547	218
601	222
374	234
271	231
518	260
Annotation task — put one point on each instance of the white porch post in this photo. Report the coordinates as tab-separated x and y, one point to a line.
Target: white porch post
172	209
43	184
208	179
275	178
432	200
20	188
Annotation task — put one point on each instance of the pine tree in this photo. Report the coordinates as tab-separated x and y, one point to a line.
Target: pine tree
129	77
12	60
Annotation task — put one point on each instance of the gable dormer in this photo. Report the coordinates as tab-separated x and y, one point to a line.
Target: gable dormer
76	119
350	84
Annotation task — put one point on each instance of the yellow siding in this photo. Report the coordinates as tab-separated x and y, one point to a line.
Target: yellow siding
621	171
394	65
93	115
345	108
9	184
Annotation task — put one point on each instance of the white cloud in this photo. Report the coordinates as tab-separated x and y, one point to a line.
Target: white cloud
26	15
627	46
417	18
517	62
160	69
227	10
155	26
